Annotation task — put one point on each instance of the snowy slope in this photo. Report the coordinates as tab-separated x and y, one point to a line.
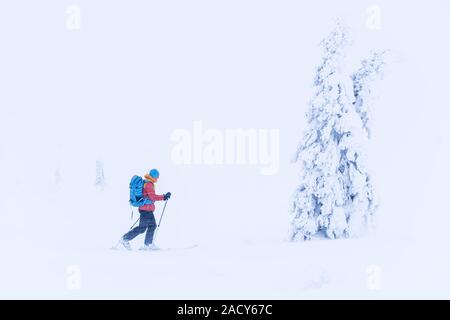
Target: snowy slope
340	269
115	90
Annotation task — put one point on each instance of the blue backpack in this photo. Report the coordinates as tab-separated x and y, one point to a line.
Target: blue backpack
137	192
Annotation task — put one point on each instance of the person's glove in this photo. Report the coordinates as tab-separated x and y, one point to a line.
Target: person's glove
167	196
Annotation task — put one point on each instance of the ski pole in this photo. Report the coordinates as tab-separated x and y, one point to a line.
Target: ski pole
135	223
160	219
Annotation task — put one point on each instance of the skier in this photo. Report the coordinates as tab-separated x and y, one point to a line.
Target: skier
147	219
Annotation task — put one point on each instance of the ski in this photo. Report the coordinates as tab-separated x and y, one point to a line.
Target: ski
116	247
175	248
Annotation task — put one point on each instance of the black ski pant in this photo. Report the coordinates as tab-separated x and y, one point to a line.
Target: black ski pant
146	222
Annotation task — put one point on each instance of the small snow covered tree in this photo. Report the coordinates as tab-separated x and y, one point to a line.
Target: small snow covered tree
334	197
57	177
370	70
99	175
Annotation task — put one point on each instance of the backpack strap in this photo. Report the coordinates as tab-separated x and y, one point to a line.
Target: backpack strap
146	199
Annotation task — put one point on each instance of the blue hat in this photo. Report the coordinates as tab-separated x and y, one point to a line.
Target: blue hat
154	173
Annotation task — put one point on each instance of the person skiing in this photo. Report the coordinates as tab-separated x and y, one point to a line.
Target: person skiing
147	220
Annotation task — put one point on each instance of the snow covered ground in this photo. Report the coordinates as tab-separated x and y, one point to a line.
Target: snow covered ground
116	89
359	269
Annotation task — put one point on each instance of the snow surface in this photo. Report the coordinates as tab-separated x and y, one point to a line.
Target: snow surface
115	90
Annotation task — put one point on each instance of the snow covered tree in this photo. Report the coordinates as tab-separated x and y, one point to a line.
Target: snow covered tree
99	175
370	70
57	177
334	197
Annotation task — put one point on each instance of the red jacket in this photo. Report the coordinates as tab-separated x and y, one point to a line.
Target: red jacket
149	192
